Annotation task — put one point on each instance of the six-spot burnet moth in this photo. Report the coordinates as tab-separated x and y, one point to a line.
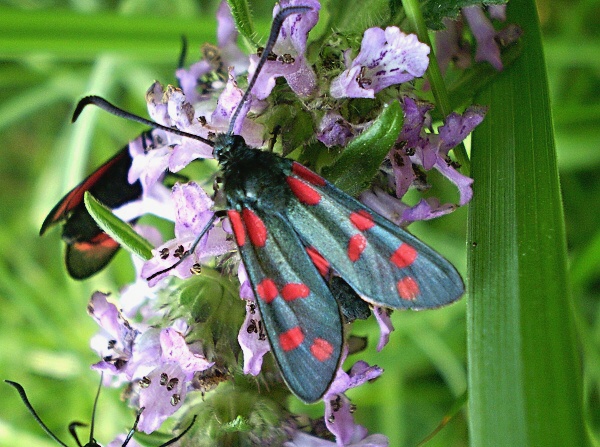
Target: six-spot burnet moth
89	248
296	232
73	425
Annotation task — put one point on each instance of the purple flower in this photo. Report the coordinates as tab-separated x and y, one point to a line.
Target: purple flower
149	166
450	46
164	388
430	208
334	130
116	339
160	361
394	210
172	107
193	212
484	32
384	204
229	55
338	410
358	439
290	47
497	12
385	326
226	106
253	339
386	58
205	118
246	292
418	148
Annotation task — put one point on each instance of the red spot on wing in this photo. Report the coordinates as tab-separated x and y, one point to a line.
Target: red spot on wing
293	291
404	256
267	290
257	231
321	349
74	198
238	227
319	261
100	241
305	193
362	220
68	203
307	174
408	289
356	246
291	338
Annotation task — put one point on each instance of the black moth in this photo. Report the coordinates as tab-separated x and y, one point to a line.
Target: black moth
305	243
73	425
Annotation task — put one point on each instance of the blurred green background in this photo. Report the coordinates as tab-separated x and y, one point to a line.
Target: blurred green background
54	52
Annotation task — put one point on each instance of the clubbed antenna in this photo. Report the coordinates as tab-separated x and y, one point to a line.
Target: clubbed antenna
275	28
92	423
114	110
25	400
92	442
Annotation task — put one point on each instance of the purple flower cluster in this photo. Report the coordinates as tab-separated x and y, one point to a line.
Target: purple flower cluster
157	358
452	47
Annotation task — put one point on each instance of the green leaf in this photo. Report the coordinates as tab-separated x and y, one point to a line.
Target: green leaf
525	380
212	301
68	35
117	229
343	15
238	424
243	20
360	161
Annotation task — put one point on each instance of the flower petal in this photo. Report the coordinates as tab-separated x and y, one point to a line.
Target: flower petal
290	48
253	340
386	58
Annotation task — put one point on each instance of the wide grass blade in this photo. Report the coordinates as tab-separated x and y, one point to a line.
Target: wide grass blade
525	381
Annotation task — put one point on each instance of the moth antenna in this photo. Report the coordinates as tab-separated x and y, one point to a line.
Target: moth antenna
192	248
25	400
178	437
134	428
114	110
72	430
92	423
275	28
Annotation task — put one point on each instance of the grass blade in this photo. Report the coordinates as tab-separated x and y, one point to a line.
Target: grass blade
524	372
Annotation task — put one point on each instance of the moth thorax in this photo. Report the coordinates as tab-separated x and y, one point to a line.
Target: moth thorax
226	145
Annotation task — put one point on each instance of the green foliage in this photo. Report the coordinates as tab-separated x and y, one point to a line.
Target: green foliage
367	151
120	231
525	380
212	302
240	10
434	11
